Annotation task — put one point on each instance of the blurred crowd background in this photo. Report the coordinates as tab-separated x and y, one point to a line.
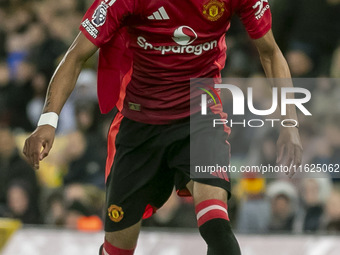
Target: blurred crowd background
68	189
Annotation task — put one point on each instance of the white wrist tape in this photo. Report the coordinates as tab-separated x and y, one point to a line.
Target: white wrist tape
49	118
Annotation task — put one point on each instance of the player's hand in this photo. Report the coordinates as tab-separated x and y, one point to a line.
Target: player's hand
289	149
38	144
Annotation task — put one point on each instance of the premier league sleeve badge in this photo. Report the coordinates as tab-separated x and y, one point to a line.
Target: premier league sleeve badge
99	15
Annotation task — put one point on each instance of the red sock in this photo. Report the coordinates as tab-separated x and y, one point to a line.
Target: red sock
109	249
211	209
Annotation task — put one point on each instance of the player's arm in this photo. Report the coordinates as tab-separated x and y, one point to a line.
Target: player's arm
273	62
60	88
275	66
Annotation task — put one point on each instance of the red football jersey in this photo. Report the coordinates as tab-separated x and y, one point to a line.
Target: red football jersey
171	42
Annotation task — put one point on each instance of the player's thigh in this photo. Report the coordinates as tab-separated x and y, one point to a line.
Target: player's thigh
190	186
134	183
125	238
202	192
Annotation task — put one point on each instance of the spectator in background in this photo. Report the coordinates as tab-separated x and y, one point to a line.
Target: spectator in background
74	212
335	69
88	165
3	52
5	91
19	92
34	34
326	147
310	137
86	87
254	208
264	148
55	208
78	217
35	105
327	90
16	22
22	203
45	50
75	202
87	117
83	207
308	31
17	180
332	212
242	58
283	197
89	195
332	135
314	194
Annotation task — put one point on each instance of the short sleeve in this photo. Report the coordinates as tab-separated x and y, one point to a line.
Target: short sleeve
255	16
104	18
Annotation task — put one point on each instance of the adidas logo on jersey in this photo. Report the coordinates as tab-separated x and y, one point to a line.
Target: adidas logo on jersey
160	14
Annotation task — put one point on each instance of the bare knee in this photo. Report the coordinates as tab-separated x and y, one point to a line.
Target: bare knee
202	192
124	239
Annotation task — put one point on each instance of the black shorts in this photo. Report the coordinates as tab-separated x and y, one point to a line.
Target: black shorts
146	161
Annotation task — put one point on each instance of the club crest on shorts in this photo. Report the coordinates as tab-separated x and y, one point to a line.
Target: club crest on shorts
115	213
213	9
99	15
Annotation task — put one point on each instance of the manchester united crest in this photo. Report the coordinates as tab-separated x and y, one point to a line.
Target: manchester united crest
115	213
213	10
